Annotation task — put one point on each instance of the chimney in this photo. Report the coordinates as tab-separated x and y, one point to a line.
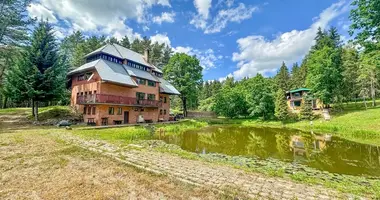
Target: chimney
146	54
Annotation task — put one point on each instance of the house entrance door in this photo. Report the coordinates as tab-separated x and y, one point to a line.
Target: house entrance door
126	117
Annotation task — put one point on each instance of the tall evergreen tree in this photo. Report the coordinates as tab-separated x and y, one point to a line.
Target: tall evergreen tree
282	78
325	68
167	54
125	42
306	112
281	106
69	47
113	40
40	73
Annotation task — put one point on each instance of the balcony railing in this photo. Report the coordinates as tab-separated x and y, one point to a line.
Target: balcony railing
112	99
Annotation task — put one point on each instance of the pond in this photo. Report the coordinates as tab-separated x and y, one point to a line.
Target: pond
323	152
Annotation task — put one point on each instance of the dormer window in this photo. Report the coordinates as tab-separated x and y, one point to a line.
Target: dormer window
84	76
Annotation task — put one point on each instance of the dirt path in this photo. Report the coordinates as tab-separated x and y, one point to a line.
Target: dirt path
199	173
34	165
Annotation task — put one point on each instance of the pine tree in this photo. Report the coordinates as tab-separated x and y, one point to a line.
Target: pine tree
283	78
281	106
125	42
167	54
137	46
40	74
113	40
306	112
350	64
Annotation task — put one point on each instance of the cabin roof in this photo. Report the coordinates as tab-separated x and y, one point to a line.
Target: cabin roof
140	73
108	71
299	90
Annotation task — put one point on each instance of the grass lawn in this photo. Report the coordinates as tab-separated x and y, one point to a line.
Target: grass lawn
35	165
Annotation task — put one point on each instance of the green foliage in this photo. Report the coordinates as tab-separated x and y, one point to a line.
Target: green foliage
123	135
281	106
306	112
181	127
125	42
365	18
324	76
260	96
350	65
230	102
282	78
185	73
40	72
206	104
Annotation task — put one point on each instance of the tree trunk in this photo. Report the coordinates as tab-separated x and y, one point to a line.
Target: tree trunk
365	103
33	112
5	101
184	106
36	111
373	94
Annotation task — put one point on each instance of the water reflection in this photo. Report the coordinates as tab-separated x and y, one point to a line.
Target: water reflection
323	152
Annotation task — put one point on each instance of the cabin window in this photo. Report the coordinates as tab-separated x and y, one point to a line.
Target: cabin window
81	77
84	110
160	99
160	111
111	111
78	94
94	91
141	81
152	83
297	103
81	94
164	99
119	111
151	97
164	112
85	93
140	95
89	111
93	110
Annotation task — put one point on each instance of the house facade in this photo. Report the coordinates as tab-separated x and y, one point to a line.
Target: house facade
120	86
295	99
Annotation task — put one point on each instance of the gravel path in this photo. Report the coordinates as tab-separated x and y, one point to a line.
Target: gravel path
200	173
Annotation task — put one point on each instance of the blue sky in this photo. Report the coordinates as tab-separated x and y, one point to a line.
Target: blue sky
230	37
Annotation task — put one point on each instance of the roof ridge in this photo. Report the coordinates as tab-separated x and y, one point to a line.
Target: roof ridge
121	56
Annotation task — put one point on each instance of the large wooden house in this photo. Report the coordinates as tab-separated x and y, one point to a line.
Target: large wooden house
120	86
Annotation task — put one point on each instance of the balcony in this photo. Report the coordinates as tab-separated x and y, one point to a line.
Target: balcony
119	100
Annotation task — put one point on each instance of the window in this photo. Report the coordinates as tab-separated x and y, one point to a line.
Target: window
160	111
84	110
89	111
81	77
81	94
85	93
161	99
164	112
297	103
111	111
152	83
140	95
164	99
119	111
78	94
117	122
151	97
93	110
90	92
94	91
141	81
104	121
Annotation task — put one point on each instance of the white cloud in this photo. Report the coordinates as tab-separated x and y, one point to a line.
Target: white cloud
223	17
237	15
161	39
203	7
224	78
207	58
41	12
165	17
99	16
259	55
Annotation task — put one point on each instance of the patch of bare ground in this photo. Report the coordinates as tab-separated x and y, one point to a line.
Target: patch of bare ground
35	165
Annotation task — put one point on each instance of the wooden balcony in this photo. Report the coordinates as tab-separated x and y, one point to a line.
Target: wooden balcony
117	100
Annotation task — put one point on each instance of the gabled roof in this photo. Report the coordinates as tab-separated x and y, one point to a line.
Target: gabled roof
108	71
139	73
123	53
166	87
299	90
